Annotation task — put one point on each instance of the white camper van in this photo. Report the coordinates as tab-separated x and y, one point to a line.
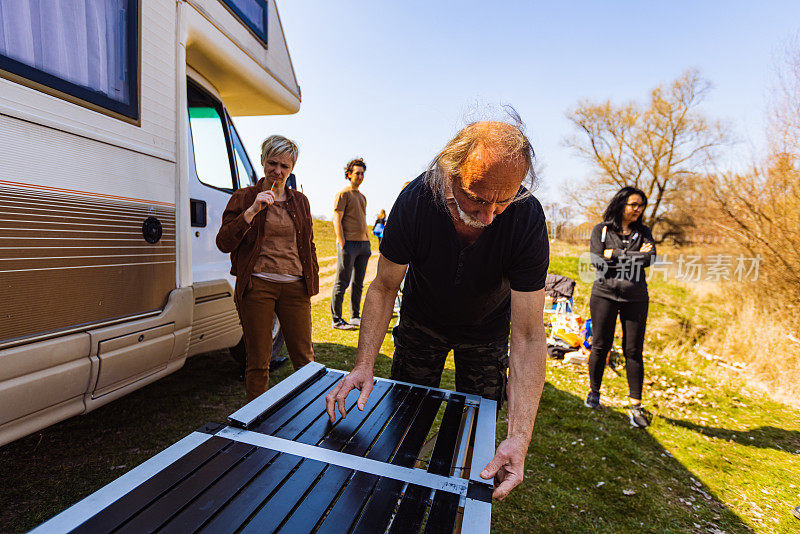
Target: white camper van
117	157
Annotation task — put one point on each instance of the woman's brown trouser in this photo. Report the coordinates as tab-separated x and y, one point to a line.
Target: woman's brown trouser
256	309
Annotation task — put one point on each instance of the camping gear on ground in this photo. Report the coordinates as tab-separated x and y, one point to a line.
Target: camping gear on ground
565	331
557	351
279	464
565	328
558	290
558	286
586	335
577	357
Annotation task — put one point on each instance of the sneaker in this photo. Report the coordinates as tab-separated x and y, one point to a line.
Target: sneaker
638	416
592	400
355	321
796	512
341	324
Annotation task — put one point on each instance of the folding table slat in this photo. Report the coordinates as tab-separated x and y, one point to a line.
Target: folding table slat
326	479
352	498
282	502
157	513
312	424
415	437
214	498
126	507
237	511
377	512
384	447
351	501
338	435
445	447
292	407
442	517
359	442
379	508
412	509
314	505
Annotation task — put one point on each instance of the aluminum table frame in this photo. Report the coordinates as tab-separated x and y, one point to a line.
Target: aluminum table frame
281	466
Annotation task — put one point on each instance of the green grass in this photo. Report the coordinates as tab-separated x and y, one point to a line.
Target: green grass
716	458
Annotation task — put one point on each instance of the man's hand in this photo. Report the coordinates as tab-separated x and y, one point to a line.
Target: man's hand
338	229
507	467
607	253
360	378
646	247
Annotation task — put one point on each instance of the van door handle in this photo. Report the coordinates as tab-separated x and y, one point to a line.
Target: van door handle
197	209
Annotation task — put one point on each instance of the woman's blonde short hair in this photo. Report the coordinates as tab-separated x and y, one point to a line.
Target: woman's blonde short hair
278	144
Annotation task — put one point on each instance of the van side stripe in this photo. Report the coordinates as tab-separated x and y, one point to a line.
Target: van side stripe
85	193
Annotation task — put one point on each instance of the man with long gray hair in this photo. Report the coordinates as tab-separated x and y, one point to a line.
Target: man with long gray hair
475	244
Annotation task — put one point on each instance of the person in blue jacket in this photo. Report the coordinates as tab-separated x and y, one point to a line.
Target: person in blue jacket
380	224
621	247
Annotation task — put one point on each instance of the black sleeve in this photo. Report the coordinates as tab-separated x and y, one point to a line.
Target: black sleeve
531	252
645	258
597	247
398	231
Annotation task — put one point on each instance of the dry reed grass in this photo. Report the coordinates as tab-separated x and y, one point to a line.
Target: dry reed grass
754	344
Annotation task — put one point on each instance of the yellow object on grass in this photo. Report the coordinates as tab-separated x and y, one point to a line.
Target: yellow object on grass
574	340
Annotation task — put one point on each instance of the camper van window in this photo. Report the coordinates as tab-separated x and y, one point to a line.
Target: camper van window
210	148
247	175
253	13
85	52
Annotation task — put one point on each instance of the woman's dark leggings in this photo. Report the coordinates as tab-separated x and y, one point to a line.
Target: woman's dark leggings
604	319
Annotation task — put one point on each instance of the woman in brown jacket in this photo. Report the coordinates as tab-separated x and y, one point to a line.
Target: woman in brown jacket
267	229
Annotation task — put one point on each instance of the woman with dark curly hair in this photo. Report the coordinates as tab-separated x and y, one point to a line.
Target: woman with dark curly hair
621	247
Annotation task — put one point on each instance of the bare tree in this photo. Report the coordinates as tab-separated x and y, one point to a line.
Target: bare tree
784	117
558	216
656	147
760	209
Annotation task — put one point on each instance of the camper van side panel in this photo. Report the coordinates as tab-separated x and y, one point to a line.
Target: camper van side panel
76	189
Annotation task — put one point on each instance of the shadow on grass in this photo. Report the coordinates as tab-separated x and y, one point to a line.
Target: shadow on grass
573	450
590	471
764	437
47	471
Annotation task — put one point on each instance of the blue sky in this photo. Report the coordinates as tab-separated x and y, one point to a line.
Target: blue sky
393	81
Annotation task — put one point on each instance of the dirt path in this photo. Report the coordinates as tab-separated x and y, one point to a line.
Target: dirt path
326	282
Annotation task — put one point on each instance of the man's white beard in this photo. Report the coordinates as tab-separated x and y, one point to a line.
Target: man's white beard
468	219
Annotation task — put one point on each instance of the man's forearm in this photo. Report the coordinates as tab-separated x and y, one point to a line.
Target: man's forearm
377	313
527	364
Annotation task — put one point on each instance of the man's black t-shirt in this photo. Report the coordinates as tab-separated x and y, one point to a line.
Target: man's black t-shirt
463	293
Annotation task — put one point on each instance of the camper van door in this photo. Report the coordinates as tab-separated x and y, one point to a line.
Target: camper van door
218	165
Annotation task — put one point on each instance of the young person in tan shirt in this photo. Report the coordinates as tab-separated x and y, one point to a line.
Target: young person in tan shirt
268	230
352	245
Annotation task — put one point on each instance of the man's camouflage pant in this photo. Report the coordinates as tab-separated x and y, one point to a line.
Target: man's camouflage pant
420	354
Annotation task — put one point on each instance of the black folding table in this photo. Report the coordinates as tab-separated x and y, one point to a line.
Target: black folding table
279	465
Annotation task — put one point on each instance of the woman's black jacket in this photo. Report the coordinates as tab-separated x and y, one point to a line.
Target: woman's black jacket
621	277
